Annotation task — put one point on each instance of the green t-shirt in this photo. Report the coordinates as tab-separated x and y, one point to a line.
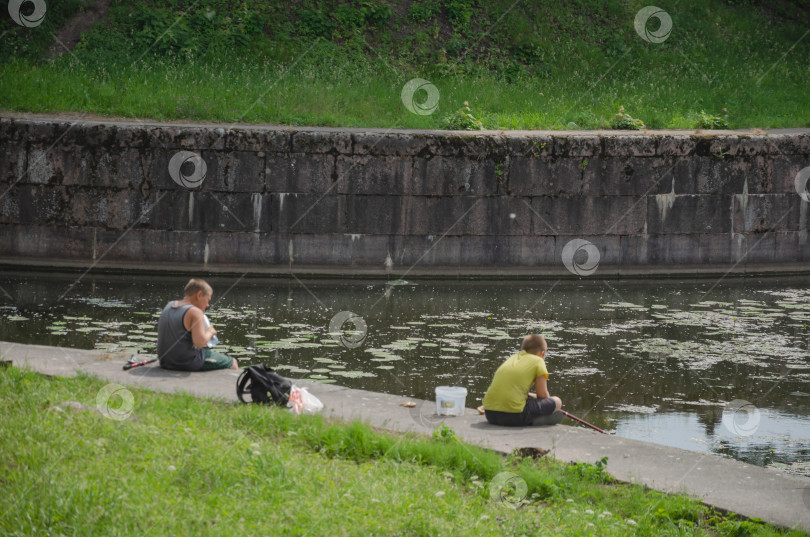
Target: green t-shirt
511	383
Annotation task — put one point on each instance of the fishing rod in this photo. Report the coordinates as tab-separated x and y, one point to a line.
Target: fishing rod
133	362
583	422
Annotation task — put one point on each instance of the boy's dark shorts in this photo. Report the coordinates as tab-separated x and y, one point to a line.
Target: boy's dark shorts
533	409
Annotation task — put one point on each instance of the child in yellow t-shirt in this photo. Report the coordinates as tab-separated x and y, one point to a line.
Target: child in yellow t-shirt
508	400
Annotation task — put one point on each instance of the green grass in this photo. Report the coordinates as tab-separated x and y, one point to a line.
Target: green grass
187	466
344	63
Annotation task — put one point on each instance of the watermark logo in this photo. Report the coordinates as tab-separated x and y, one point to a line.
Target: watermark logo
801	183
741	417
424	414
35	18
187	169
415	101
351	338
572	260
115	402
508	488
643	17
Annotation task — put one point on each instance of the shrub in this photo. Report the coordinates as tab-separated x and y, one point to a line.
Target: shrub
424	11
459	12
463	120
708	121
624	121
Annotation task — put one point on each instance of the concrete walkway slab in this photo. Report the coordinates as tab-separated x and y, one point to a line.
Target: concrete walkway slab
749	490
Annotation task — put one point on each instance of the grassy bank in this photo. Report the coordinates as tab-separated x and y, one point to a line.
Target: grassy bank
181	465
519	65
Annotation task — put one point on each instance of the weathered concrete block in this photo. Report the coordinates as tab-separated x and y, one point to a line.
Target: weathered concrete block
620	145
150	246
760	248
784	169
802	142
766	212
252	139
118	209
44	133
436	215
308	213
675	146
45	165
373	175
156	162
35	204
321	142
633	251
758	174
13	163
788	247
235	171
254	248
720	176
374	214
609	247
752	145
499	216
44	241
369	250
426	251
507	250
716	248
467	216
126	169
536	177
626	177
585	146
389	144
787	144
529	146
462	144
688	213
614	215
560	145
8	131
212	211
10	211
127	137
725	145
441	176
301	173
674	249
297	249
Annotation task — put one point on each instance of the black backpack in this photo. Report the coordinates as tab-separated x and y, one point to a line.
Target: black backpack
264	386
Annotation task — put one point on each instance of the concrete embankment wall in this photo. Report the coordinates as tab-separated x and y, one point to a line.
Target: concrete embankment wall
278	198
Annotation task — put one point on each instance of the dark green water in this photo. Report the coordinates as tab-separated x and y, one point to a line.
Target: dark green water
662	361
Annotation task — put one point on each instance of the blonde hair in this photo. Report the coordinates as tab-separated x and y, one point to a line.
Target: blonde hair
534	344
197	284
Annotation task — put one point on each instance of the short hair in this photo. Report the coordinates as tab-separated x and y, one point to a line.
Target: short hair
534	344
197	284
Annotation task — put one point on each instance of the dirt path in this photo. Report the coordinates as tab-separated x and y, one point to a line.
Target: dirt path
66	39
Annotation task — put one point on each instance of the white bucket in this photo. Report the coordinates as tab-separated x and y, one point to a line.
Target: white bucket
450	400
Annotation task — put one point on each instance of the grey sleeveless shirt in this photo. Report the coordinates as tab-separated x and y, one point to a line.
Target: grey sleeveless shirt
175	348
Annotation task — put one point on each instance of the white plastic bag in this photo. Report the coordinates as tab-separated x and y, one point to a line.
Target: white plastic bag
303	402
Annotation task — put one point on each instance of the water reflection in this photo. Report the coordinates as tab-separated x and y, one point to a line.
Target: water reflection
656	360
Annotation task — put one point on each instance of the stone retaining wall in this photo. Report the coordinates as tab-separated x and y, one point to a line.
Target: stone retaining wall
297	197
